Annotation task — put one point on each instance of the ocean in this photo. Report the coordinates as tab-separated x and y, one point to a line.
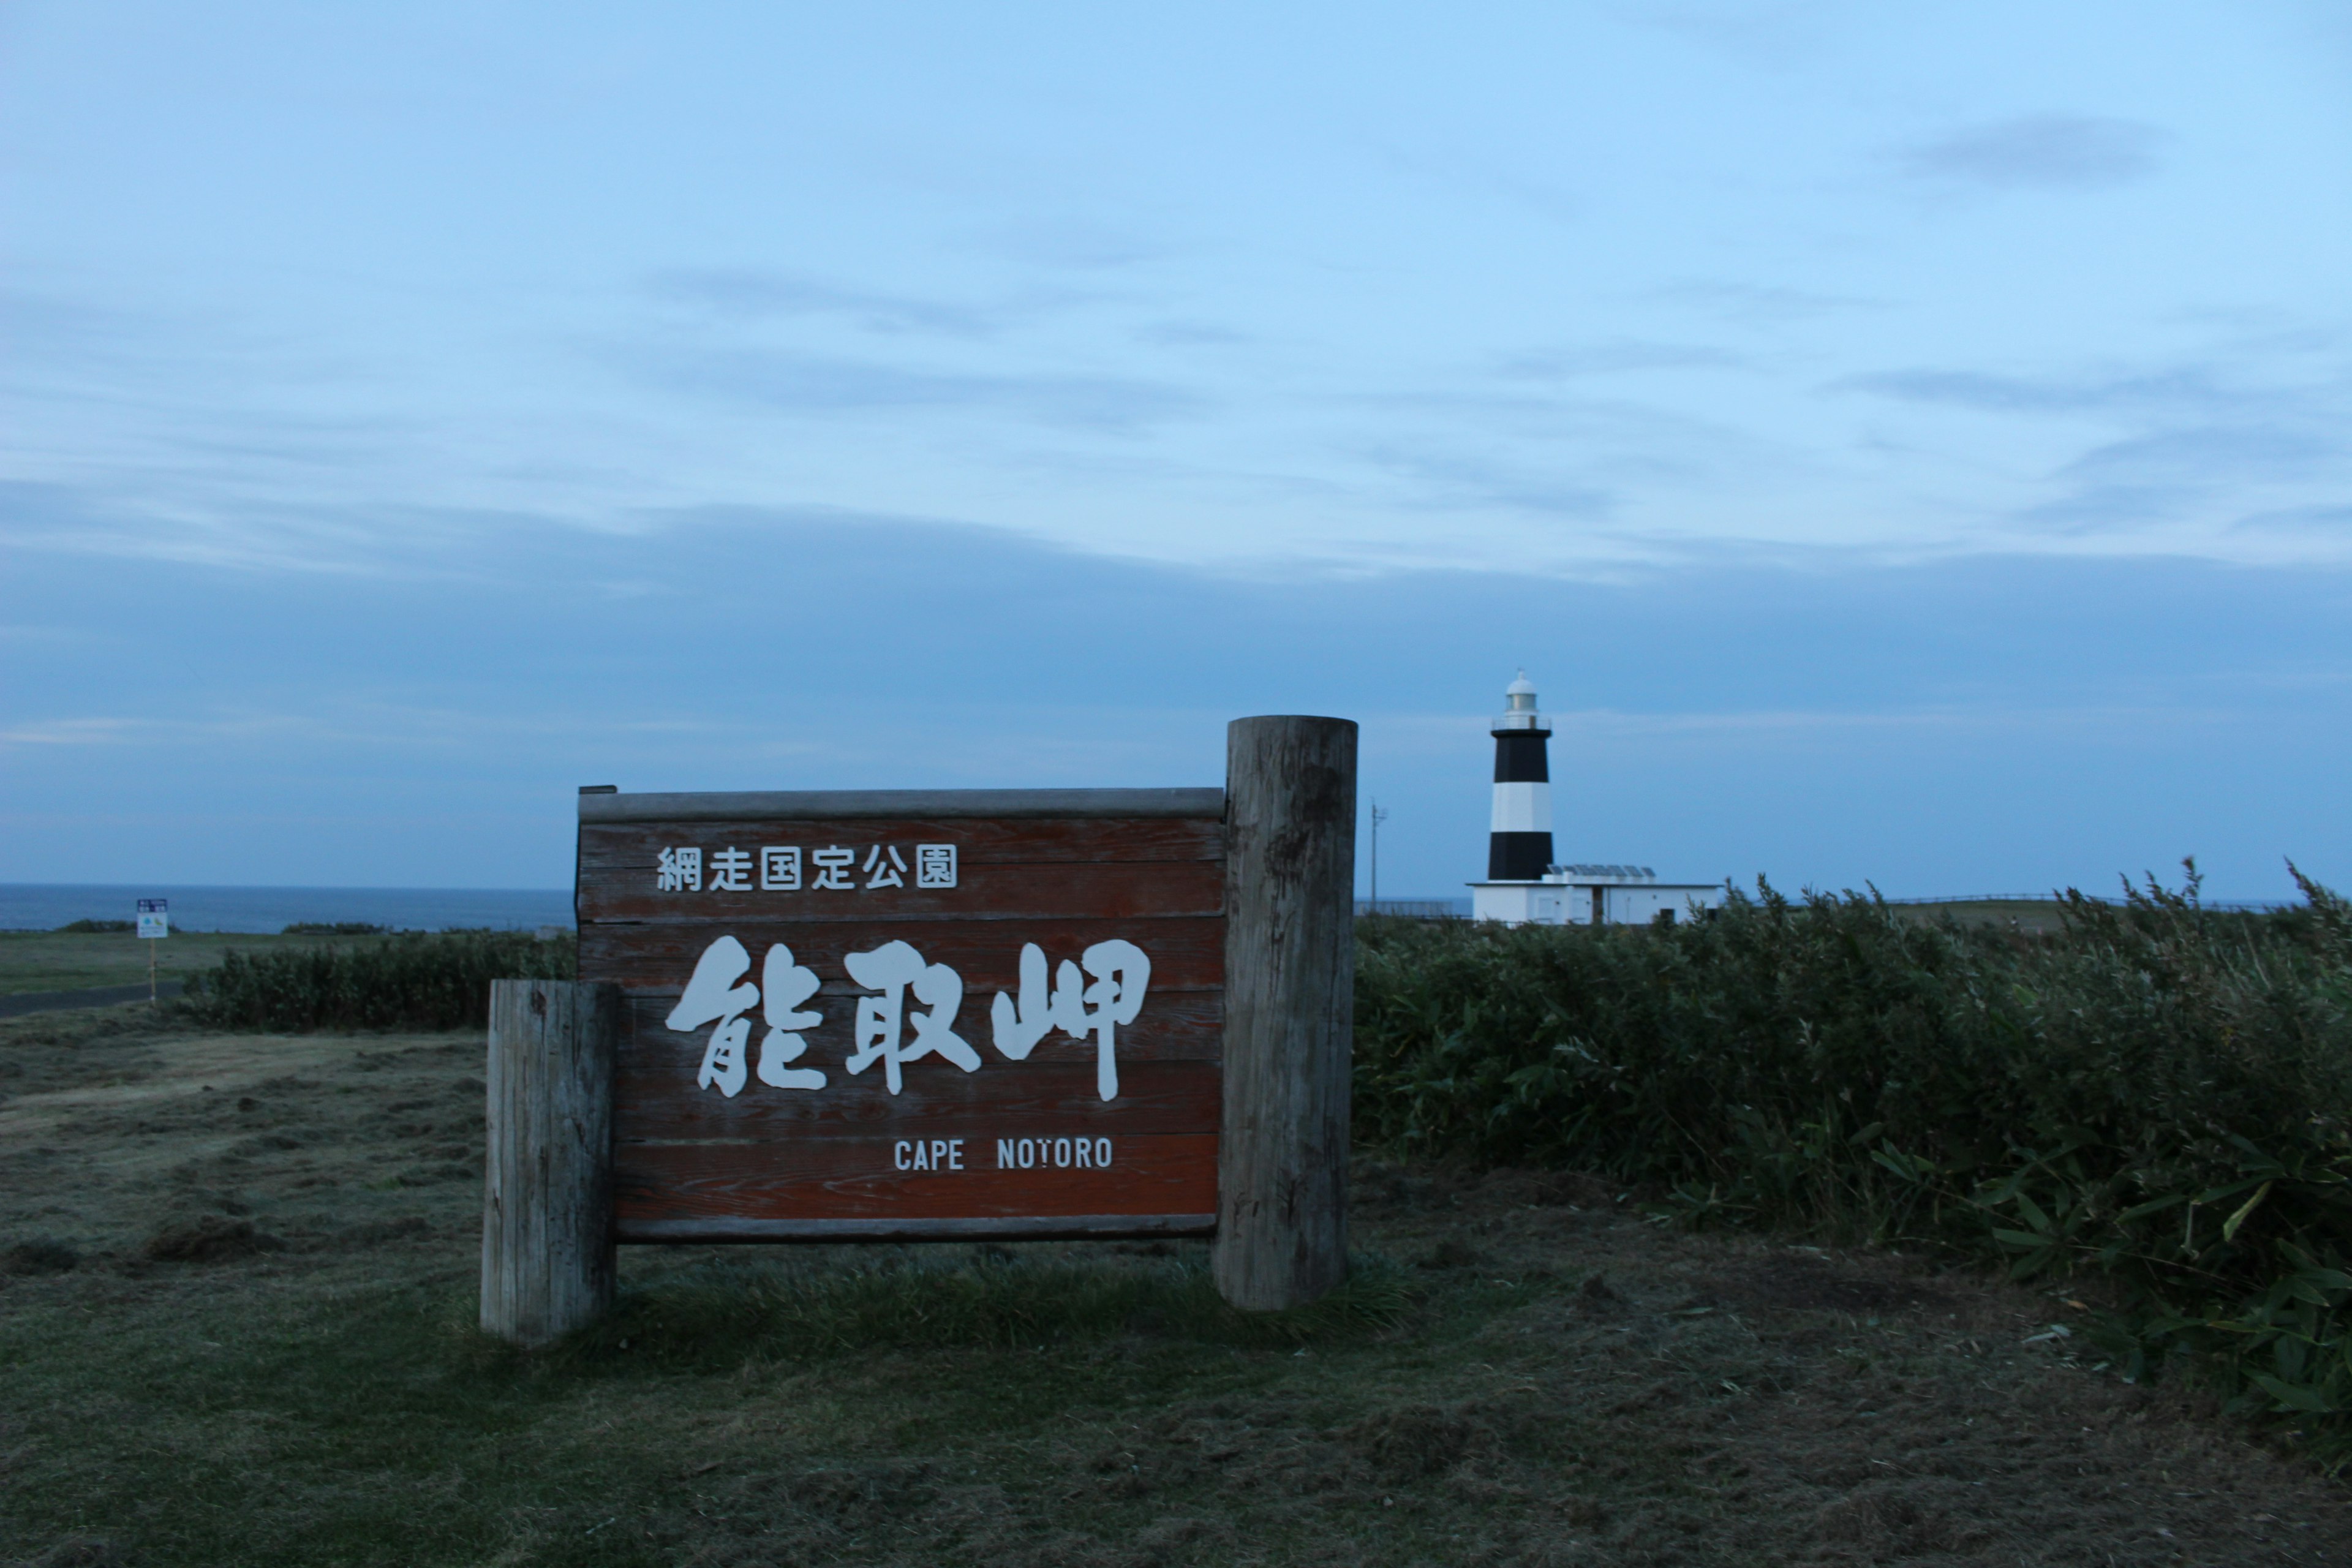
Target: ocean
33	905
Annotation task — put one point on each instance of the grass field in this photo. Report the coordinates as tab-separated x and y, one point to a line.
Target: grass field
234	1327
72	960
2038	915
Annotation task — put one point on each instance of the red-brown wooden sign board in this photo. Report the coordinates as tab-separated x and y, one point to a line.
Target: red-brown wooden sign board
910	1014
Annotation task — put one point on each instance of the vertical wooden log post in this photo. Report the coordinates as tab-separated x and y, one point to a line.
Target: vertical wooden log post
547	1190
1290	971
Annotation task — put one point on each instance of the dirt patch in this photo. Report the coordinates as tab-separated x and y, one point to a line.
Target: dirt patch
42	1254
211	1238
1416	1440
1810	1281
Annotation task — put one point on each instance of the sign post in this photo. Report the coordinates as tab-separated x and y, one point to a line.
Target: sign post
932	1014
155	924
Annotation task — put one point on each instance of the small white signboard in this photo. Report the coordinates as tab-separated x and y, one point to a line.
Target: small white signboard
155	917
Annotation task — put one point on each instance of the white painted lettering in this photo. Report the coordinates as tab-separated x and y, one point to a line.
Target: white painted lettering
1121	974
1102	1153
955	1154
780	868
1004	1157
712	996
680	870
893	969
787	984
730	871
898	1155
1085	1153
1061	1153
935	865
922	1155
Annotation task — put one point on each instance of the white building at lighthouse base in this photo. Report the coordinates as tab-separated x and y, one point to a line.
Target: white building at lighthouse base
1591	895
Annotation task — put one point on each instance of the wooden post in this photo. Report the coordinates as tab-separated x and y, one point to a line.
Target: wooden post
547	1191
1290	970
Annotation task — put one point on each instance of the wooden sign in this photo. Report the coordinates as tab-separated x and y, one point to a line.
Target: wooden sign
910	1013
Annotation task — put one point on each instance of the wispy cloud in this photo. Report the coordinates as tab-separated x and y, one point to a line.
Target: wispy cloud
2204	438
2052	151
1615	358
2213	455
756	293
786	382
1458	481
74	733
1989	392
1785	34
2328	519
1757	304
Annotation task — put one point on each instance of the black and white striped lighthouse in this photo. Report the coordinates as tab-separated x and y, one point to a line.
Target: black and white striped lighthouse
1518	847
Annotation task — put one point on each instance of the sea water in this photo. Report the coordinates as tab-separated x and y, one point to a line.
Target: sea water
29	905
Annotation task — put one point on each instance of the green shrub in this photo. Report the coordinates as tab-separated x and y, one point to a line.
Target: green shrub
96	928
334	928
2159	1092
415	981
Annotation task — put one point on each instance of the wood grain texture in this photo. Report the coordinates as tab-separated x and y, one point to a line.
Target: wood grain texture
1014	1227
657	1101
1282	1216
769	1162
987	892
1187	953
1175	1026
676	1185
547	1191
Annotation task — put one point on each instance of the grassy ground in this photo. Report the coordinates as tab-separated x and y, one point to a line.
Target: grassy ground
235	1328
71	961
2021	914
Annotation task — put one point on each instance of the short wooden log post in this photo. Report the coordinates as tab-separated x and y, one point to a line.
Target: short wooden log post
547	1191
1290	970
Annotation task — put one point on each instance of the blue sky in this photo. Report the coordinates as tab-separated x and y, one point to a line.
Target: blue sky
1906	444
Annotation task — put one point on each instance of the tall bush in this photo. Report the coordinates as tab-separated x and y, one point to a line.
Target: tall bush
2159	1091
415	981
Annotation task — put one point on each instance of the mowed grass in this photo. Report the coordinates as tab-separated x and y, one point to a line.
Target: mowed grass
236	1327
73	961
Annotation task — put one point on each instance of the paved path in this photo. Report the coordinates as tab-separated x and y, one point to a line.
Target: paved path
99	996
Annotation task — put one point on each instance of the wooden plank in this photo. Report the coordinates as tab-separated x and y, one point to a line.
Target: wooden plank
1023	1099
1043	841
723	1229
1150	1174
1110	890
785	805
1187	953
1182	1025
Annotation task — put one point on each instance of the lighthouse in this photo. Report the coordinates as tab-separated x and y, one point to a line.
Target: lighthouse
1518	844
1523	887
